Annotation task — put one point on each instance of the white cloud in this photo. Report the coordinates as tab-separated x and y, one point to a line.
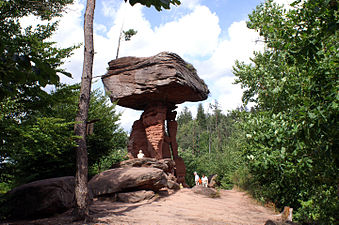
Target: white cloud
240	46
217	70
109	7
69	33
99	28
191	4
196	36
230	94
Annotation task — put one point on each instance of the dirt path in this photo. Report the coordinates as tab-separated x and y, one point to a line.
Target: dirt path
182	207
186	207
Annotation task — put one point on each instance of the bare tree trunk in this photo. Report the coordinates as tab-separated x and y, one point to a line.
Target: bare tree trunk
81	176
119	41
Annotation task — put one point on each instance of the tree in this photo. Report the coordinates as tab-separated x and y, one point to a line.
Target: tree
28	61
81	176
185	116
291	150
201	117
40	144
215	150
127	36
158	4
107	136
81	189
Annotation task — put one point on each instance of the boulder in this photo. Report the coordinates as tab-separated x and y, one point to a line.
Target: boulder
127	179
41	198
209	192
173	185
136	162
165	77
136	196
167	165
212	181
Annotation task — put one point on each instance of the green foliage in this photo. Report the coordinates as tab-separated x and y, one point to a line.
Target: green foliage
185	116
292	137
44	9
210	147
106	161
322	206
107	137
27	59
4	188
31	146
158	4
38	142
44	149
129	33
201	117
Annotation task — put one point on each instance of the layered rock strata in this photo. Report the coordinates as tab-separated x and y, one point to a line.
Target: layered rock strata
137	81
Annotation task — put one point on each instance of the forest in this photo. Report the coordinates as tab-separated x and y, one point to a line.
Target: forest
283	150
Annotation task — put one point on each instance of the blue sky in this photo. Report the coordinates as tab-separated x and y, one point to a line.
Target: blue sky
209	34
227	11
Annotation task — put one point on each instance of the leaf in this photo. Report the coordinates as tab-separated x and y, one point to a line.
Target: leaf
65	73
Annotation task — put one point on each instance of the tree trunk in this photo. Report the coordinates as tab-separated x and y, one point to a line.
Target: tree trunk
119	41
81	176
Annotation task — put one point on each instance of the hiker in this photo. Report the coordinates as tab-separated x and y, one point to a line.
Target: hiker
204	180
140	155
196	178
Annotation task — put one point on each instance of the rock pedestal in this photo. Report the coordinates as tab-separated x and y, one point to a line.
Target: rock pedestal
154	84
149	135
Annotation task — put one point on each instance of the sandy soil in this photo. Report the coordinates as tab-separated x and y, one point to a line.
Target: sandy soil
181	207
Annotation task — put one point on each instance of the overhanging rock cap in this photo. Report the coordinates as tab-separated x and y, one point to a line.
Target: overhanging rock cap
138	82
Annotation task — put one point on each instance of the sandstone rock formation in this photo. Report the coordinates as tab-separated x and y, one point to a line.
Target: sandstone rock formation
165	77
154	84
136	196
41	198
209	192
134	180
127	179
167	165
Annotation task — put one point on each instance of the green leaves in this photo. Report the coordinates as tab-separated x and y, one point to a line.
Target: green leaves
37	137
294	83
129	33
26	57
209	143
158	4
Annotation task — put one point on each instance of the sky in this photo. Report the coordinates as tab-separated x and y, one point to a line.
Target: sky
210	34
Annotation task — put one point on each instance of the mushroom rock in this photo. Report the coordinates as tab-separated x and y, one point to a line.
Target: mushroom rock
155	85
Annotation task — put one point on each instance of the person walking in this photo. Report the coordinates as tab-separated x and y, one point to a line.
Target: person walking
196	179
204	180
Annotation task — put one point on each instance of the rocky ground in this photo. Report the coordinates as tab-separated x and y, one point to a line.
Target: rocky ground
181	207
